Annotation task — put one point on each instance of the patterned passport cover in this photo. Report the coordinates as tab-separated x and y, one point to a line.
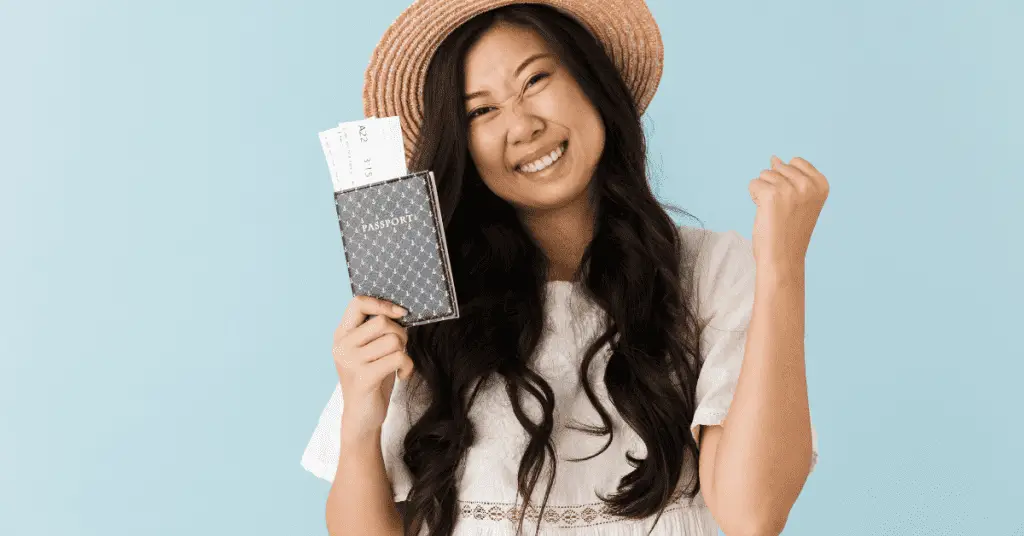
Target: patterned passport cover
395	248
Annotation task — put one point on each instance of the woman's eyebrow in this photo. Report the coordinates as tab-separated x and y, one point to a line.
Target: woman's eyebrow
518	70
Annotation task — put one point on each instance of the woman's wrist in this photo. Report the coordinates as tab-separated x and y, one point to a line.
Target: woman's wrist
781	273
356	437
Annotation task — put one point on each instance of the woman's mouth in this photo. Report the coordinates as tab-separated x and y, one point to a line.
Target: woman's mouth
546	161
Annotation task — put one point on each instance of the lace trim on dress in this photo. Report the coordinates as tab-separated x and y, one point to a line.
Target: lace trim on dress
584	515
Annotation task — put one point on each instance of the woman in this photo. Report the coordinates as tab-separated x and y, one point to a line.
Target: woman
600	345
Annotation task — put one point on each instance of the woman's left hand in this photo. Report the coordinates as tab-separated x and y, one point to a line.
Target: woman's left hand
789	198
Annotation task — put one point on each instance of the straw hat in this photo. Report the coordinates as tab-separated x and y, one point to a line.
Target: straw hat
393	83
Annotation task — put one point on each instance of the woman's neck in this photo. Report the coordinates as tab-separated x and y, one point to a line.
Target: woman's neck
562	235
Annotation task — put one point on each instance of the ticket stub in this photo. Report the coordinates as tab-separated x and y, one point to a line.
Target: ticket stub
364	152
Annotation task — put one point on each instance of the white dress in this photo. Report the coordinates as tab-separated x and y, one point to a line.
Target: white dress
724	279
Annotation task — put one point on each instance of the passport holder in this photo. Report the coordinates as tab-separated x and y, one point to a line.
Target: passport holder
393	235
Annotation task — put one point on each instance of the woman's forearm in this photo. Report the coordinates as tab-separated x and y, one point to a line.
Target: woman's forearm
764	453
360	501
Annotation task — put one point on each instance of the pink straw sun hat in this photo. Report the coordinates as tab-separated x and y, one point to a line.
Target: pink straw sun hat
394	78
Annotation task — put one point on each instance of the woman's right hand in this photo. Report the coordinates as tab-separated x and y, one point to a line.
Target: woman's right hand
367	353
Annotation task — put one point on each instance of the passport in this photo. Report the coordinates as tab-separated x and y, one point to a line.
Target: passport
391	225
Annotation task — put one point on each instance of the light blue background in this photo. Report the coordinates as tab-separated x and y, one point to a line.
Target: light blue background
172	269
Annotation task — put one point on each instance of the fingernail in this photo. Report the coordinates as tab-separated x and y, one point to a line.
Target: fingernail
400	310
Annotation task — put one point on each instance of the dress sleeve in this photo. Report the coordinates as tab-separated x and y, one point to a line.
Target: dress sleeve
725	283
322	452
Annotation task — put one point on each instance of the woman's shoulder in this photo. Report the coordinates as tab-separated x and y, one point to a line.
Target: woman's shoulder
719	266
707	249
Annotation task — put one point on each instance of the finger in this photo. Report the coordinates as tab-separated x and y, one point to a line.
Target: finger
775	178
376	371
805	166
374	328
363	306
760	190
792	173
372	375
387	386
809	170
381	346
796	177
405	366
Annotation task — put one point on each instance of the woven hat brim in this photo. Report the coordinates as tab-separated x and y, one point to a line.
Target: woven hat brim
394	78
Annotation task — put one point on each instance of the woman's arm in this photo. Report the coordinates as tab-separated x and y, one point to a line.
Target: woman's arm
757	461
753	467
360	500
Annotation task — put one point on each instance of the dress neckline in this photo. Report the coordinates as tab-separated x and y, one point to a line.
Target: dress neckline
562	283
560	292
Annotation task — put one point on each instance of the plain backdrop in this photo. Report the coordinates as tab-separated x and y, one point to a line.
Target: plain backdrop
172	269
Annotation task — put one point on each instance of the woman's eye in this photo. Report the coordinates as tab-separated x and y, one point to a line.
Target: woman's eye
536	78
484	109
478	112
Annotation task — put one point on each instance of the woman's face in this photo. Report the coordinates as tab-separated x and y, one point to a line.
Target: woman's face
534	136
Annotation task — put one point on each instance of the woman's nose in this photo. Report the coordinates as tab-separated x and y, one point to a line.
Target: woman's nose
523	125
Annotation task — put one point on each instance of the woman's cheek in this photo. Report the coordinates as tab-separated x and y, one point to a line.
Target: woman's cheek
487	155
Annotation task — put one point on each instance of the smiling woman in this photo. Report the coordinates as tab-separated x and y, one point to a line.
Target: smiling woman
525	111
587	382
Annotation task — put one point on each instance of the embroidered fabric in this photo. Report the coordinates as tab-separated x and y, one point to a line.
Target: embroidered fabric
723	277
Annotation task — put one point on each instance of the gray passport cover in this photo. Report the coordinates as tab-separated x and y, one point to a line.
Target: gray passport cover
395	248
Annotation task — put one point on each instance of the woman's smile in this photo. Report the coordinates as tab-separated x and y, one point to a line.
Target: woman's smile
546	165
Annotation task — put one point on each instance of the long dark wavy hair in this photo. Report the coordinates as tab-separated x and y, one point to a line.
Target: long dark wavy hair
632	269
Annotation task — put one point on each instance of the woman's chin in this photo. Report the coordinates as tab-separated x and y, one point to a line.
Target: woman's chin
553	194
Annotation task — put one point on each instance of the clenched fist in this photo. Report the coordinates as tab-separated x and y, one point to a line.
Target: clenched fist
789	198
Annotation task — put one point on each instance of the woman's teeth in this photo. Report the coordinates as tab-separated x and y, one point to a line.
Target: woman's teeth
543	163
